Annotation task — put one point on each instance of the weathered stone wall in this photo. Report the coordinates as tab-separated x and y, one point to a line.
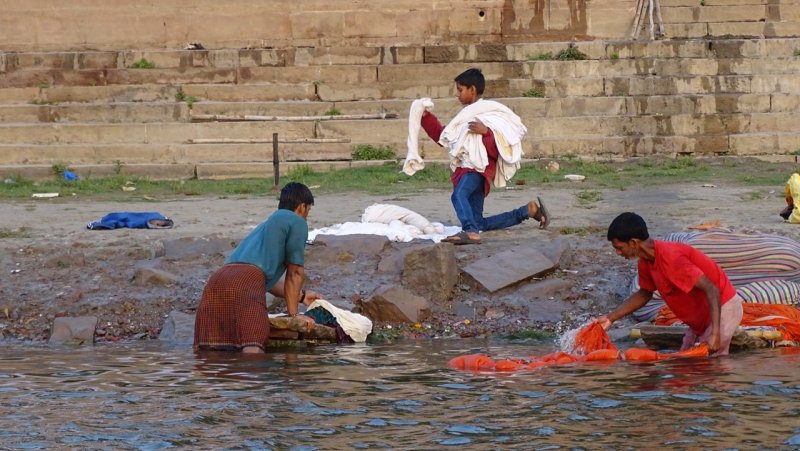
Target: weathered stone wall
44	25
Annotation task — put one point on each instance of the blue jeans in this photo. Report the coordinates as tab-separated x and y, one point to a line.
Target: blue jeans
467	200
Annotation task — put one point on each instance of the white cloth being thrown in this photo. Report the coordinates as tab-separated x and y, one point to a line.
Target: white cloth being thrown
355	325
392	221
414	161
467	150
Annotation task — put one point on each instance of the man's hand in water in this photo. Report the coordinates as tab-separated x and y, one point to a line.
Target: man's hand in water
604	322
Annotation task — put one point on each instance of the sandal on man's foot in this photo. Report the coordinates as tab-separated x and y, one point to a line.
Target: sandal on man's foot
542	215
461	238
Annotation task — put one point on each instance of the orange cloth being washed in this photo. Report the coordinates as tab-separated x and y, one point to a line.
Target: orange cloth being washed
591	344
784	318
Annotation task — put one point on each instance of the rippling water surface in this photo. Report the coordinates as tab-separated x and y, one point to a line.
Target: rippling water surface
398	396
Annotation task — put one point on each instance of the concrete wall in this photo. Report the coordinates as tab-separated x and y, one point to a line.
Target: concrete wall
44	25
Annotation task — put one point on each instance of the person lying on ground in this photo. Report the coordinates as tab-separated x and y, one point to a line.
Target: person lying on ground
232	314
694	287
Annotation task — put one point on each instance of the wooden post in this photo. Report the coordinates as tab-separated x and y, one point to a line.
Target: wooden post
276	170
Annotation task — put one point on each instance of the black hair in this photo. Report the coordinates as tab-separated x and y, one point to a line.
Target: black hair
626	227
472	77
293	195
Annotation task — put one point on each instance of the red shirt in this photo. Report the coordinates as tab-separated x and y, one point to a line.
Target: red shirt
434	129
674	273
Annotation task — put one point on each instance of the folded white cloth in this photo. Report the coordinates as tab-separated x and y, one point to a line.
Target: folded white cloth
386	213
414	161
355	325
392	221
467	150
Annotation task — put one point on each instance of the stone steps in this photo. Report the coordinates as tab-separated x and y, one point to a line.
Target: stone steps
170	111
701	97
386	131
168	153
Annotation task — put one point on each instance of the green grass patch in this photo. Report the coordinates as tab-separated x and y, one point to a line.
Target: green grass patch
387	178
529	334
570	53
21	232
181	96
370	152
143	64
581	230
544	56
588	197
333	112
533	92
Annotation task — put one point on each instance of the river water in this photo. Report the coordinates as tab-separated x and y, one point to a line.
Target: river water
397	396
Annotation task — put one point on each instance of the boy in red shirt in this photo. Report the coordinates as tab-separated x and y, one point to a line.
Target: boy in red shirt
694	287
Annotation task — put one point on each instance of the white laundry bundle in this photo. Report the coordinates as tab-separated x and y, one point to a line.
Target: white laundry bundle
393	221
355	325
467	149
387	213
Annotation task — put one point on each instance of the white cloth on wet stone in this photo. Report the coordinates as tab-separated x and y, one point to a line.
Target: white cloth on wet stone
355	325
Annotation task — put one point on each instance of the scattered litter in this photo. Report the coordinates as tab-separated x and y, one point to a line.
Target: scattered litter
511	188
313	187
194	46
16	271
70	176
708	185
571	271
9	181
128	188
553	166
575	177
44	195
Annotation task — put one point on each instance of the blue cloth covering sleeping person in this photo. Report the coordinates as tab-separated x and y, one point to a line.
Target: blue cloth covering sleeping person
131	220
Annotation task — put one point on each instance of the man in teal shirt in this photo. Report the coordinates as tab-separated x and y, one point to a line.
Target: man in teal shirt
232	314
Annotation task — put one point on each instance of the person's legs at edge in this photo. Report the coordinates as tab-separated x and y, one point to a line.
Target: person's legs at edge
467	185
509	218
730	316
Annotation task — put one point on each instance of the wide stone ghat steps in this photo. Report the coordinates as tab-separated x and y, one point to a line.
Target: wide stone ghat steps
759	18
93	110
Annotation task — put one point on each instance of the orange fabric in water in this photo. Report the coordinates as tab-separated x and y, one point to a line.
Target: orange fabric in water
556	357
602	355
641	355
472	362
784	318
508	365
592	338
648	355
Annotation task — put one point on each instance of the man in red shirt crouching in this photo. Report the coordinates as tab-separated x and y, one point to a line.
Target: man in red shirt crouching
694	287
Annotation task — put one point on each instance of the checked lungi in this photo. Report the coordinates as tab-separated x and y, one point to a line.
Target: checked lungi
233	312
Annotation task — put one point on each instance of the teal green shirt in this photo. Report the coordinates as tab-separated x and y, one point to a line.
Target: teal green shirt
279	240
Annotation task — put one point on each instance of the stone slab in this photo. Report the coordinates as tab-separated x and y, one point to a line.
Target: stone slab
78	330
508	268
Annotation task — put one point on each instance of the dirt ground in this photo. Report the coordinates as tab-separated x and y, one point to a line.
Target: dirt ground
57	267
